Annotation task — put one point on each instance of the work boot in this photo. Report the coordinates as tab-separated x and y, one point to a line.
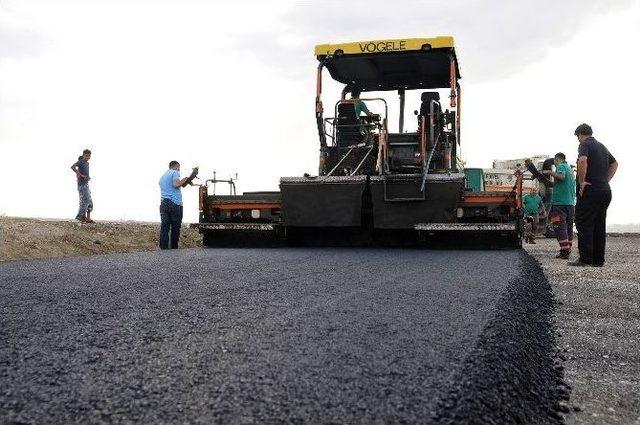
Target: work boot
578	263
564	254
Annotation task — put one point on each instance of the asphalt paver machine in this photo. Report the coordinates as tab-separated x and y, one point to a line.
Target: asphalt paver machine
374	185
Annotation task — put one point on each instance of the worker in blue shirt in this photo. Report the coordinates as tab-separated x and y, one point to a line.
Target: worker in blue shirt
171	204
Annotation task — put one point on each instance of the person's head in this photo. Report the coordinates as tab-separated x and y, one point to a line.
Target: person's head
355	93
533	191
559	158
86	154
583	131
174	165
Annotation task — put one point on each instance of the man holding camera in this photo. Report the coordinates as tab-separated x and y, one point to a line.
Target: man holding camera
171	204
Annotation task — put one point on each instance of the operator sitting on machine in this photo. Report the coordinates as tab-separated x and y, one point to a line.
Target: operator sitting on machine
359	104
363	125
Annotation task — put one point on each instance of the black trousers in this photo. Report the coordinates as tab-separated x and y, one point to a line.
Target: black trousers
170	222
591	222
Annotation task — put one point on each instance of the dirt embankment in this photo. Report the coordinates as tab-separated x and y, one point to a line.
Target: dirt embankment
22	238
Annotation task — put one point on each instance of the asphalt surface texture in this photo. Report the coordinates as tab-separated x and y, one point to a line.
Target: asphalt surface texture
313	335
597	328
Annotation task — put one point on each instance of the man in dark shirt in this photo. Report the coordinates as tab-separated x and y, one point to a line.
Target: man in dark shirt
81	168
596	167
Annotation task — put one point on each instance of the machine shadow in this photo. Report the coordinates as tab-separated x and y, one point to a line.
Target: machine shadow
356	238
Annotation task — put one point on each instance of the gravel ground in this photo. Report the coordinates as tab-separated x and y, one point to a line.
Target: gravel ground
278	336
598	320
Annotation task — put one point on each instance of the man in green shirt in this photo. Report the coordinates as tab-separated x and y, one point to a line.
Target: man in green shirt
359	104
563	203
532	204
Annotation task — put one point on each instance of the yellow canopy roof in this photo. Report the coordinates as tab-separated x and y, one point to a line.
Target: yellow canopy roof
382	46
407	63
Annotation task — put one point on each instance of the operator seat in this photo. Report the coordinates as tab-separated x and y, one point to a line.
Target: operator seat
426	99
348	127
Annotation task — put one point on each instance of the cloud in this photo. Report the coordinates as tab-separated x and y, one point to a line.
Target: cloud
19	43
17	39
494	39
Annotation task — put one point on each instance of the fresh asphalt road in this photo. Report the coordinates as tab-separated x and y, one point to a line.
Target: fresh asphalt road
243	335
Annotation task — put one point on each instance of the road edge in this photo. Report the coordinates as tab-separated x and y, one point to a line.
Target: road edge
515	372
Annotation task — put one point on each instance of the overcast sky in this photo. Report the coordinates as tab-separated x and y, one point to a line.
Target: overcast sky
230	86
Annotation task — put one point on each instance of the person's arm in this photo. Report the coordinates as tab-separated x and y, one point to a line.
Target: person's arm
75	169
177	181
583	154
180	182
582	173
556	175
189	179
611	171
613	167
365	109
540	204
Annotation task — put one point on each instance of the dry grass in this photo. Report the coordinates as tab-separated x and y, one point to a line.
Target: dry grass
22	238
